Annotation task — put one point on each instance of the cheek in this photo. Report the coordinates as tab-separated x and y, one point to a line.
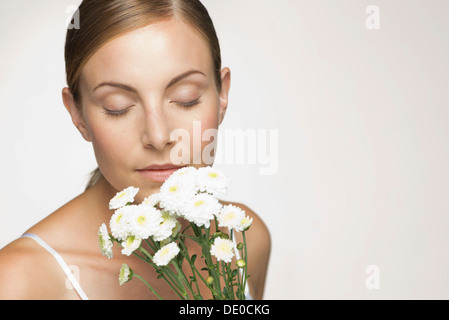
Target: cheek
206	127
201	123
202	140
109	147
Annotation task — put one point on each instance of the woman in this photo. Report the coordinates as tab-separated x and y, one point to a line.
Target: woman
136	71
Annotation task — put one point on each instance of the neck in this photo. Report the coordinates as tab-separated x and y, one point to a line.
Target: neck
99	196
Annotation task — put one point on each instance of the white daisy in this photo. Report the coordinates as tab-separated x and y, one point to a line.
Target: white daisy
230	216
123	197
165	254
144	221
165	228
175	191
212	180
105	241
152	200
185	171
173	234
119	222
130	244
201	209
245	223
222	249
125	275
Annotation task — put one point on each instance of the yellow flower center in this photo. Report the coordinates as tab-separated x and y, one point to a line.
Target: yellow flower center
198	203
121	194
224	248
165	217
165	251
213	175
141	220
130	240
173	189
229	216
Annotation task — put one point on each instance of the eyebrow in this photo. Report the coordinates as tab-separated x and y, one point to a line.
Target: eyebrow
134	90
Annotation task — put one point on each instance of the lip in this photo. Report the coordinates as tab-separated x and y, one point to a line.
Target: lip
162	167
159	173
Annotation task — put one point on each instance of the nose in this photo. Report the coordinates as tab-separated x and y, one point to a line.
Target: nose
156	133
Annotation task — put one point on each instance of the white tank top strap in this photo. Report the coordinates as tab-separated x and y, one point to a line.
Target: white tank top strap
237	257
61	263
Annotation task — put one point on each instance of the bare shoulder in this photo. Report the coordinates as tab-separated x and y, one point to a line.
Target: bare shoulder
26	272
12	261
259	249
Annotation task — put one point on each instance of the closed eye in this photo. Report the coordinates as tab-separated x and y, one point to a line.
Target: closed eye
188	104
117	113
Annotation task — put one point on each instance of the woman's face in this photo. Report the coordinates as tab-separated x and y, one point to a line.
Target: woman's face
140	87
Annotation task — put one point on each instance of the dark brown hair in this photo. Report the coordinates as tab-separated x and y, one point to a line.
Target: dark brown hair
103	20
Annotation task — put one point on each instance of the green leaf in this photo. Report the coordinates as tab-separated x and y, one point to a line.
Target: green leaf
240	294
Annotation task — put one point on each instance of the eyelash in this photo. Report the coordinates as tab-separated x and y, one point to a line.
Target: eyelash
125	111
189	104
117	113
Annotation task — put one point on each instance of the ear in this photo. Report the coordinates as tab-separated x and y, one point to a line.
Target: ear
76	113
224	93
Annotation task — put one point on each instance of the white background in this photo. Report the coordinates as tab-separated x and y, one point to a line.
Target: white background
363	175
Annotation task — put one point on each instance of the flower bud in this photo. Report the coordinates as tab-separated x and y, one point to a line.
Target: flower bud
220	234
240	246
210	280
241	263
126	274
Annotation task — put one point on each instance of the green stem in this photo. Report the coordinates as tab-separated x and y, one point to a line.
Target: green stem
148	285
172	286
230	279
182	280
245	269
145	252
226	280
162	274
190	237
152	246
213	270
182	232
239	284
216	224
192	266
141	258
173	278
197	230
195	270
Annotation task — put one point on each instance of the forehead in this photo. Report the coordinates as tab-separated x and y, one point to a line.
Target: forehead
150	56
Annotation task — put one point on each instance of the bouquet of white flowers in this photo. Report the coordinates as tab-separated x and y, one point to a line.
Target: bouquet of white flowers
152	231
